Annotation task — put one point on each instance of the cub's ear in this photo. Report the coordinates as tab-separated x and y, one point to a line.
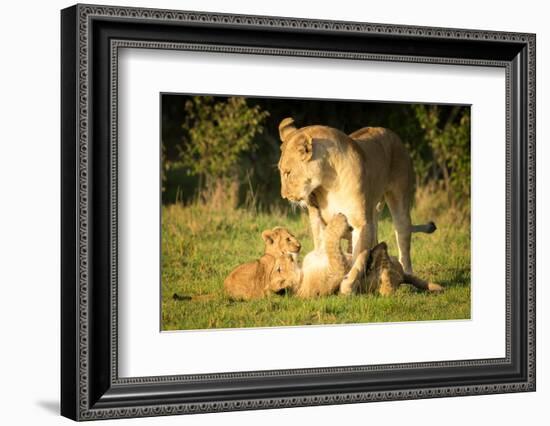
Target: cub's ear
380	247
267	236
305	147
286	128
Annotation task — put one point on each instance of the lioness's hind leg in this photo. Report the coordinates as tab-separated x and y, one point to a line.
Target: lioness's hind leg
400	212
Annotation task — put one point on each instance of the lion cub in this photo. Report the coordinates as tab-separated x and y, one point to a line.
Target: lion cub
324	268
276	270
384	274
280	241
260	278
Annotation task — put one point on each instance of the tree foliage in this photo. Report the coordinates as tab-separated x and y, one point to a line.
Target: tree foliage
208	140
449	140
217	133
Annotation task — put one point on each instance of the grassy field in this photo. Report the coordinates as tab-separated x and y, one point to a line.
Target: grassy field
200	246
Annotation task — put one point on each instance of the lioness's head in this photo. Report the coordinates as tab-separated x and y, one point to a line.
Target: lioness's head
280	241
285	273
299	166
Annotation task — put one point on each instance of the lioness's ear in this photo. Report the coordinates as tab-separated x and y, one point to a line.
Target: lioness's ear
286	128
267	236
305	148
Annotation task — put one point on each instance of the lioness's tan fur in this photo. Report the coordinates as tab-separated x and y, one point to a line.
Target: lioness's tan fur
331	172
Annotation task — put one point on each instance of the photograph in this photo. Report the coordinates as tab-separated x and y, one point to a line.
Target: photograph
284	212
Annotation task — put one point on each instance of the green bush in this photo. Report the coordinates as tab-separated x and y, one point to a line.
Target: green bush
217	133
449	141
217	145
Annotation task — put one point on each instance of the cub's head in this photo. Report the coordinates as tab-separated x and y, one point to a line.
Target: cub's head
280	241
285	274
300	166
338	226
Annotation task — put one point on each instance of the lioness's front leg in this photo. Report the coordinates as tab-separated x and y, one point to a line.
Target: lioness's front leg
317	223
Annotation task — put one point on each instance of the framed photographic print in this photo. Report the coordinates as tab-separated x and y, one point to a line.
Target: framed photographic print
263	212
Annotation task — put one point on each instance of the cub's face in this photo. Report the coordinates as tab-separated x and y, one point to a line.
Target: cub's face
280	241
301	172
285	274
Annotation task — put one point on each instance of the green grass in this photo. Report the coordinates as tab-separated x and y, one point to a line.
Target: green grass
200	246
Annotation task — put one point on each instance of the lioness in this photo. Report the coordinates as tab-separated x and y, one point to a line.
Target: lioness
323	269
260	278
330	172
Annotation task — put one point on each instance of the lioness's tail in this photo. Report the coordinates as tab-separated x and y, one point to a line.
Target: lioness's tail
421	284
427	228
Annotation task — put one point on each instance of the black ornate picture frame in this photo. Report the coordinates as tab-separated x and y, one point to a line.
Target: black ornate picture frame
90	385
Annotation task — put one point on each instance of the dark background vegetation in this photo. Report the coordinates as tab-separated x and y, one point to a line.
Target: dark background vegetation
438	138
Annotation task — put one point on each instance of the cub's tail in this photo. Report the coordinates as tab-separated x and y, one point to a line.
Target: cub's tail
421	284
426	228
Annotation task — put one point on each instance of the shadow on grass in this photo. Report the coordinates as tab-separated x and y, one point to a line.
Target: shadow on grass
458	278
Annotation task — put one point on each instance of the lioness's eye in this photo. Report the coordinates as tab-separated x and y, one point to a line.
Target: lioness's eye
286	174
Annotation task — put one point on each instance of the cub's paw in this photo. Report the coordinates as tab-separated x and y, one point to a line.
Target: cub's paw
347	286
